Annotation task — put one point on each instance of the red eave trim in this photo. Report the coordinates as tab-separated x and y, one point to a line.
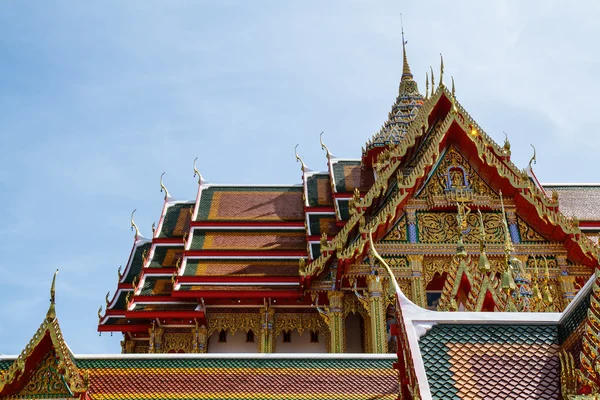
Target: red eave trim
236	253
309	210
148	271
343	195
279	294
589	224
245	279
257	224
314	238
153	299
178	241
164	314
123	328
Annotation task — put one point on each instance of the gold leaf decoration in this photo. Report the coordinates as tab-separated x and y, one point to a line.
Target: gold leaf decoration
528	234
443	228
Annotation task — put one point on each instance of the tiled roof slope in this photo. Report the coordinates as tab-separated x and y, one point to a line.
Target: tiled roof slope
176	220
247	378
492	361
581	201
245	203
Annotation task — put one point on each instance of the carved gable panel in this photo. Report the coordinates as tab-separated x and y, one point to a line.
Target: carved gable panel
454	178
46	380
527	233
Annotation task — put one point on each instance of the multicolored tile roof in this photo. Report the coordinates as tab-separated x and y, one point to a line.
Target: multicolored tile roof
242	378
492	361
246	203
580	201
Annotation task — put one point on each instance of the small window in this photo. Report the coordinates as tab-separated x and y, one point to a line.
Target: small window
287	337
314	336
222	336
250	337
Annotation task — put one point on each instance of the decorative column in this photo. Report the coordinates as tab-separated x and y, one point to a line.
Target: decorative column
567	288
513	227
411	222
377	313
336	321
127	346
199	339
417	285
267	340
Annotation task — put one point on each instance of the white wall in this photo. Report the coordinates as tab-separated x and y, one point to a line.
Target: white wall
235	343
300	344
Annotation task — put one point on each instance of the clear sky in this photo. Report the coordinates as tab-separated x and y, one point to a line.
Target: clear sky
98	99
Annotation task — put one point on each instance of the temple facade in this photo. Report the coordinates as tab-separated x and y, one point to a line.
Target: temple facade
432	267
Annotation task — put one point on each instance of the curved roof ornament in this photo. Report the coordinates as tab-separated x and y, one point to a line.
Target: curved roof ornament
533	159
51	314
196	172
324	147
432	81
162	187
506	147
426	85
441	70
134	226
298	159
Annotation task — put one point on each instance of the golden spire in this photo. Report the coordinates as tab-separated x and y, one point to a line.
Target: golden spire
441	70
426	85
298	159
51	314
546	295
405	67
163	188
536	295
508	282
134	226
324	147
432	81
196	172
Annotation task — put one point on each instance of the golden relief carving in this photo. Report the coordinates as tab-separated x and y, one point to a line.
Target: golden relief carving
398	232
47	379
454	175
232	322
432	266
528	234
178	340
443	228
299	322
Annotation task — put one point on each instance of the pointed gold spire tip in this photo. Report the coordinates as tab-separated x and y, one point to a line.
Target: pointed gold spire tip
51	314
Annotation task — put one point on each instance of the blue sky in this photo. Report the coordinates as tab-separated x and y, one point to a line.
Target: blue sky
98	99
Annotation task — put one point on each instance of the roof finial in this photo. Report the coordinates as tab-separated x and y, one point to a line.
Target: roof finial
426	85
484	263
298	159
432	81
162	187
197	173
134	226
324	147
441	70
506	147
454	108
533	159
51	314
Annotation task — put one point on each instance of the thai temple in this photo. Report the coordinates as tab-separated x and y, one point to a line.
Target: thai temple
431	267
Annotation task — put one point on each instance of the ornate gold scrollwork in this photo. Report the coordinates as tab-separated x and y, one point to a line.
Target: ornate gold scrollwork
232	322
443	228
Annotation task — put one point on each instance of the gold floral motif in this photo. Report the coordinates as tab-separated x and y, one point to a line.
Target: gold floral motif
47	379
398	232
232	322
432	266
299	322
443	228
397	262
527	233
